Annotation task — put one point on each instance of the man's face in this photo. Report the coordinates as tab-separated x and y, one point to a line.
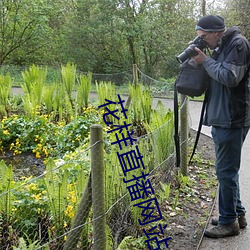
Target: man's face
211	38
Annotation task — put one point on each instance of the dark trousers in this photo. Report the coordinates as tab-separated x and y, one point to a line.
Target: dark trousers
228	145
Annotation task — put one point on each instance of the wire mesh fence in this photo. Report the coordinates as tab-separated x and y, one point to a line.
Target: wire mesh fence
57	209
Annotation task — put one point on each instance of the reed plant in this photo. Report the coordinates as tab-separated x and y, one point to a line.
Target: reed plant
34	80
48	97
5	90
141	103
62	106
83	91
146	102
105	90
68	74
56	184
161	128
6	196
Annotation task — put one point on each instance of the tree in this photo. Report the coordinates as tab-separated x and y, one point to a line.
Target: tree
237	13
20	22
108	36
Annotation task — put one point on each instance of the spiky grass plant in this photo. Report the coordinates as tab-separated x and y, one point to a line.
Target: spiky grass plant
33	85
141	103
161	128
105	90
68	74
48	98
83	91
6	184
5	90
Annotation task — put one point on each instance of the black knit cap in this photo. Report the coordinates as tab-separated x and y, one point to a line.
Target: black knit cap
210	23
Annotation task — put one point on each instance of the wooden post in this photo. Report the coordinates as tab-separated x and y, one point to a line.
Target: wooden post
184	135
135	82
98	194
135	74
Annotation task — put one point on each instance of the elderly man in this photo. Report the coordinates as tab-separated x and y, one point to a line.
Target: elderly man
228	112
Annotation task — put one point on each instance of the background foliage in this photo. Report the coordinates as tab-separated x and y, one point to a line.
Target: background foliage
106	36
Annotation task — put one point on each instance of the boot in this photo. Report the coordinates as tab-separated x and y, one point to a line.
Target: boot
241	219
221	231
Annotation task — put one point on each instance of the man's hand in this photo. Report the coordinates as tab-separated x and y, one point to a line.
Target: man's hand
200	58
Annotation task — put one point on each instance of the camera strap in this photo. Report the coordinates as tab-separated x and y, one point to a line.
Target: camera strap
176	126
199	127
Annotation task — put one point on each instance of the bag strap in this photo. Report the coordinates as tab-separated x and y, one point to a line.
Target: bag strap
199	127
176	126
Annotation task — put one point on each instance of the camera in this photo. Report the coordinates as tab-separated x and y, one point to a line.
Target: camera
190	51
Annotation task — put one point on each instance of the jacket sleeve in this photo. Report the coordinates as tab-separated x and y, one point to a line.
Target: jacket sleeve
234	66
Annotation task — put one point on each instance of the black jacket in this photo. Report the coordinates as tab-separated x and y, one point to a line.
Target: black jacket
229	90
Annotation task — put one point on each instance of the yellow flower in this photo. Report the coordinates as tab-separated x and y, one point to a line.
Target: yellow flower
45	151
37	196
14	209
69	211
6	132
17	152
31	187
73	199
38	155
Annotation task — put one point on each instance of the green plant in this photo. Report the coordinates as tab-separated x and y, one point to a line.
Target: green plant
30	207
183	180
83	91
29	245
161	132
141	103
34	81
165	191
105	90
6	196
68	74
176	199
5	90
57	192
48	98
130	242
43	137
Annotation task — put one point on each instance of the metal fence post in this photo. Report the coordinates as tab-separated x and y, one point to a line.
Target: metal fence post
98	194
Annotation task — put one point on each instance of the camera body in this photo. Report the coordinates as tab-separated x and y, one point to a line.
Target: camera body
190	51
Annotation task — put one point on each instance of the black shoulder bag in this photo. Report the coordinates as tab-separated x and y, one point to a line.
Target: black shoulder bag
191	81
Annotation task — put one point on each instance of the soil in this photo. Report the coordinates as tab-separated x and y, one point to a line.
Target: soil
25	164
187	222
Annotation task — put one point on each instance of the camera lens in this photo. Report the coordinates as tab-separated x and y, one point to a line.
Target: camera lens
190	51
187	53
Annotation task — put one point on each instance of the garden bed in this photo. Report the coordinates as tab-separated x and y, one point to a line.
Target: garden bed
187	223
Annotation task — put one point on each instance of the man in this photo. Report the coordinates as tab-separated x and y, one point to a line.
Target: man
228	112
